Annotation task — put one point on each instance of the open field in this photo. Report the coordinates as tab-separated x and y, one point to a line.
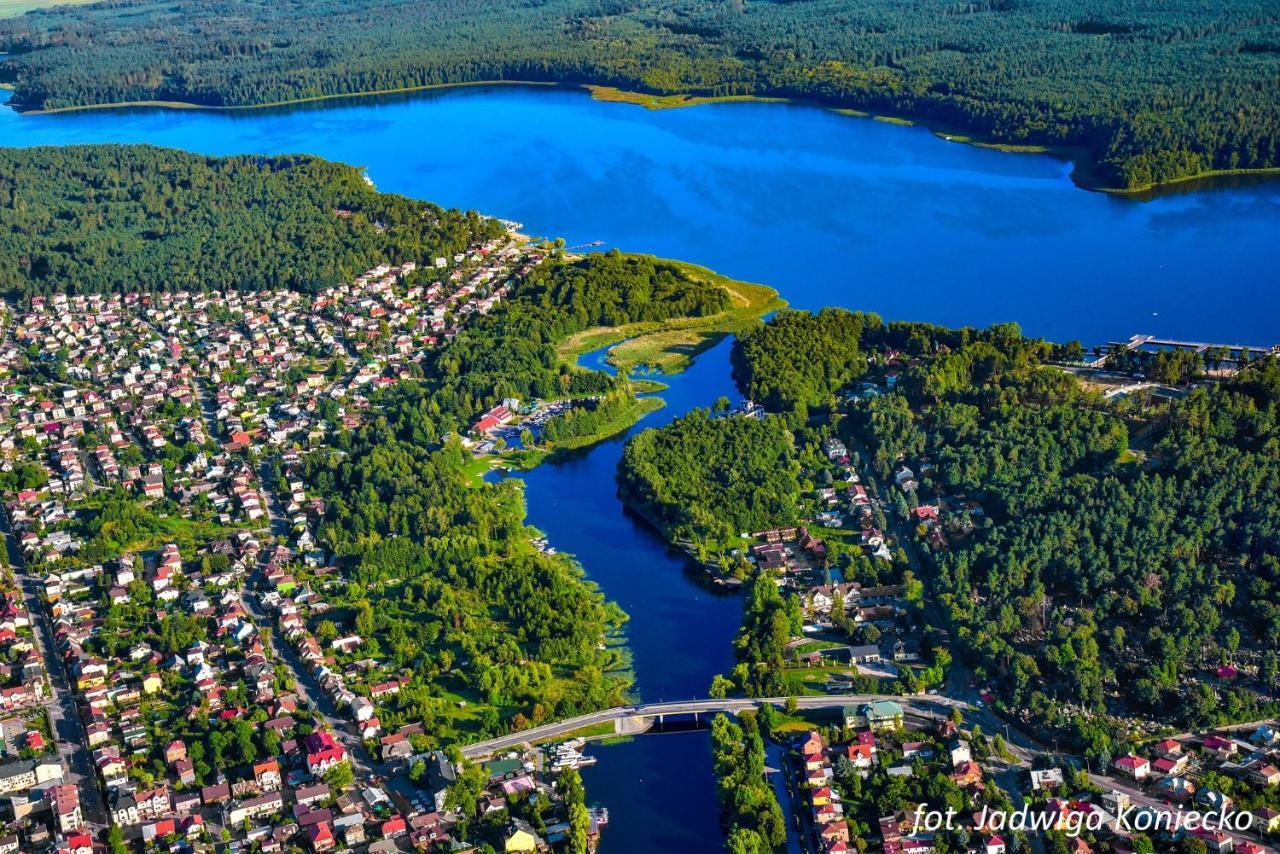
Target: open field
10	8
666	102
669	346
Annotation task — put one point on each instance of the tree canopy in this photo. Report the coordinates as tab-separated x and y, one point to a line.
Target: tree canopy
707	479
1105	555
138	218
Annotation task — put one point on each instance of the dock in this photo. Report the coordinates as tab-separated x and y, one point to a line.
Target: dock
1138	342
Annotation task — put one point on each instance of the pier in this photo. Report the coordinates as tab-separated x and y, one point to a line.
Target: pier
1138	342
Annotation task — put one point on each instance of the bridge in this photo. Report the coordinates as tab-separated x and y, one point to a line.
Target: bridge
637	719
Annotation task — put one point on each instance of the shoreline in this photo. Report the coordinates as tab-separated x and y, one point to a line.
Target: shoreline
1084	170
1083	173
273	105
670	346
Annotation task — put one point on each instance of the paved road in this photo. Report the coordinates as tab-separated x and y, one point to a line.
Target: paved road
303	676
278	522
1142	799
314	695
64	716
923	706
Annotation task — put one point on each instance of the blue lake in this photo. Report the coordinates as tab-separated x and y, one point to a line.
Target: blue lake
828	209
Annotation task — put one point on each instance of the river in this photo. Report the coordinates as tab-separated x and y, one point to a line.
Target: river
828	209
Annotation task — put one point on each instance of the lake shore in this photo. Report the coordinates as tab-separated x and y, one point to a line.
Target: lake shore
1086	173
272	105
670	346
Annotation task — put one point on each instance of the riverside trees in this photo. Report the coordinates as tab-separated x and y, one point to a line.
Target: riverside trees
1117	578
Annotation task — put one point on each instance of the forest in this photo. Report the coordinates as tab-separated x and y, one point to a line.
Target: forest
107	218
798	360
749	809
705	478
1143	93
1118	543
1125	544
447	584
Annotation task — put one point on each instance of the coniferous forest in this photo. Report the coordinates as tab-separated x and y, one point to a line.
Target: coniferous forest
1125	548
136	218
1146	92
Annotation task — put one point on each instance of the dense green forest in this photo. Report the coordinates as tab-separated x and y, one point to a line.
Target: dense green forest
1125	549
134	217
614	289
1101	565
444	575
769	622
595	419
705	479
748	807
1150	91
798	360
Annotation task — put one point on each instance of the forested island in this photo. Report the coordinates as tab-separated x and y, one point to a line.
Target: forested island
1097	557
1138	94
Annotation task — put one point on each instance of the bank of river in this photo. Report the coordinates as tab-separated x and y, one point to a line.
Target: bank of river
827	209
681	627
659	789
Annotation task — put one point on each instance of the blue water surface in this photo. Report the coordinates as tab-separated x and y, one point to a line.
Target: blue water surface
827	208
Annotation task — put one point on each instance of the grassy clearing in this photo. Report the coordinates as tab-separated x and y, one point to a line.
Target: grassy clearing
669	346
641	385
788	725
668	102
817	646
186	533
476	468
12	8
595	731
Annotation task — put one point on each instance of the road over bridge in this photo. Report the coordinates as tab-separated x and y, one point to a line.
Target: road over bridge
621	716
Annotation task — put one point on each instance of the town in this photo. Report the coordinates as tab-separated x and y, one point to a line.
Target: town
172	676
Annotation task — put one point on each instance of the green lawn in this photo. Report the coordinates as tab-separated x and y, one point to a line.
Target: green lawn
669	346
11	8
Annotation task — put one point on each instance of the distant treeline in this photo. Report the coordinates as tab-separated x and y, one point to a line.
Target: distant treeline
137	218
1152	92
